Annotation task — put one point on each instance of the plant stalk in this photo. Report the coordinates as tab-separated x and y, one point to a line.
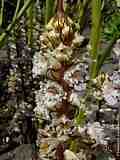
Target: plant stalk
30	24
60	7
95	35
82	10
1	12
49	10
106	53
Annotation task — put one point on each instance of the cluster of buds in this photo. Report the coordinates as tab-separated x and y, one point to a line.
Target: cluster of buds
59	36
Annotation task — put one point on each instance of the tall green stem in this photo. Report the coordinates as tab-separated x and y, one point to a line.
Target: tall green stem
30	24
106	52
95	35
49	10
1	12
17	9
82	10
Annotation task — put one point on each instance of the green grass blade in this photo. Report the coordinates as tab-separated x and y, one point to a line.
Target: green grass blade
30	24
82	10
1	12
17	9
49	10
95	35
106	53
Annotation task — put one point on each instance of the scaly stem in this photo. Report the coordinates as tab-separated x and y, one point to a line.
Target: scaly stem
60	7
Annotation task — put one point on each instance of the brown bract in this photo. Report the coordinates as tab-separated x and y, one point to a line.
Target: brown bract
63	26
60	152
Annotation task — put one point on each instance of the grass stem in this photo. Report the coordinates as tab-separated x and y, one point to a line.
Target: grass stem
95	35
30	24
1	12
49	10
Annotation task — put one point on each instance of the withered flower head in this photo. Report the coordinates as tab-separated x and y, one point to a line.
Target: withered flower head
61	24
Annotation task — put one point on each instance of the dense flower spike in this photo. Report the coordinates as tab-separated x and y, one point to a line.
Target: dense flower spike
60	107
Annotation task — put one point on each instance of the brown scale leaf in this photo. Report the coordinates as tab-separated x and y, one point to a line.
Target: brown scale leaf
60	152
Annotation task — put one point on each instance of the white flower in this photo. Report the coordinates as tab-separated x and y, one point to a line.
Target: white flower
109	93
75	98
69	155
96	131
